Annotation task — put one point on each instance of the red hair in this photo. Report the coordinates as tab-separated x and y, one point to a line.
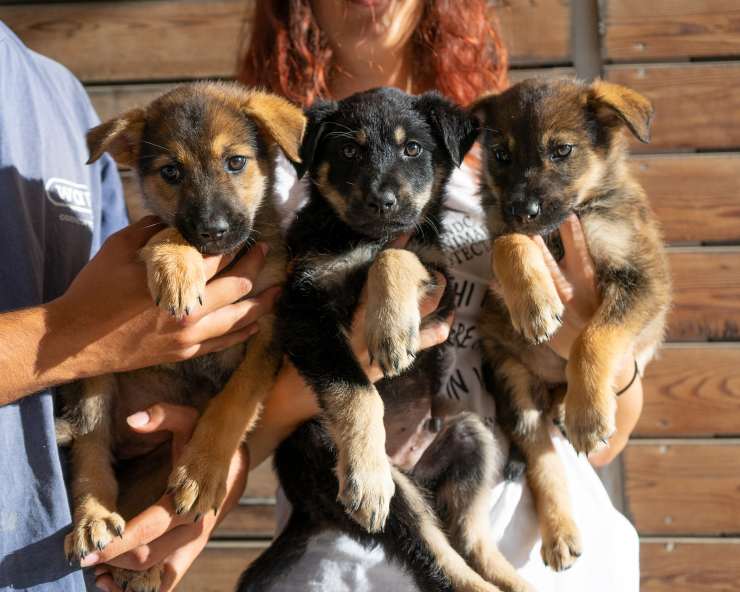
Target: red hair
457	47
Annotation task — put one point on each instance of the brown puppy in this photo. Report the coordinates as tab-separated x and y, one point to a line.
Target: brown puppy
552	148
205	156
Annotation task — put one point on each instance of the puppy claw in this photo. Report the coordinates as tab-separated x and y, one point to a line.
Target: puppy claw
561	549
366	489
198	483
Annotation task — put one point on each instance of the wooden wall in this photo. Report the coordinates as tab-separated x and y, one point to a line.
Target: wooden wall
682	469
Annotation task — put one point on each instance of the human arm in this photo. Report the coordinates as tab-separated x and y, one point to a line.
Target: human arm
106	320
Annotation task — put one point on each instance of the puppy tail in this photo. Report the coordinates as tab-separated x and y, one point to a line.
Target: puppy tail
280	556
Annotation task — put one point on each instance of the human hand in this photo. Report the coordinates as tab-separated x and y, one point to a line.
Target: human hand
107	321
158	534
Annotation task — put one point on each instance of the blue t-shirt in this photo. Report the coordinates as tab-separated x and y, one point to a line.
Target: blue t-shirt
54	213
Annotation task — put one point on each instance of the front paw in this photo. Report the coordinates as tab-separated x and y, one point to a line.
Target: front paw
198	481
365	489
536	314
177	283
392	338
95	528
149	580
561	547
589	421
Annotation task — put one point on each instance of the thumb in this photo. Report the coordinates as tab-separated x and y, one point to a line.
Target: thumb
178	419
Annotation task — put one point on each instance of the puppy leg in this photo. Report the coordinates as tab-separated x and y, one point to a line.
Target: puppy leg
460	468
175	272
396	282
198	480
523	405
148	580
527	287
94	484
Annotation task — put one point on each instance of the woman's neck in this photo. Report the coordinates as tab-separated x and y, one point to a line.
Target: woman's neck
373	68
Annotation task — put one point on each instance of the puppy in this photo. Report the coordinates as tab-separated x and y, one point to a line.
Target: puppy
205	157
378	163
552	148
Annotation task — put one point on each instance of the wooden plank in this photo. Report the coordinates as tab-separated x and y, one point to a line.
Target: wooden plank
219	566
681	487
248	521
112	100
689	566
535	32
696	197
692	390
635	29
129	40
696	105
706	284
262	482
519	74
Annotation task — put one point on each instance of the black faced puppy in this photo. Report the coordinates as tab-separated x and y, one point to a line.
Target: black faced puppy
205	157
550	149
378	163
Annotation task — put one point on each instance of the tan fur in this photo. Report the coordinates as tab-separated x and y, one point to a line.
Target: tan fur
527	287
396	282
119	136
630	106
399	135
338	202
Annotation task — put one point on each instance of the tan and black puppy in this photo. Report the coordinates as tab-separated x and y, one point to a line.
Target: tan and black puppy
205	157
550	149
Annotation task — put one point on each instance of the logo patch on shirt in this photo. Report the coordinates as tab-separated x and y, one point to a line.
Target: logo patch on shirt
74	197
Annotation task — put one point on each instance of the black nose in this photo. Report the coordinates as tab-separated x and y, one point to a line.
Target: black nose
527	210
213	229
382	202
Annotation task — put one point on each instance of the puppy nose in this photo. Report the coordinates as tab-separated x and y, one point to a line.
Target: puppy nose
213	229
382	202
526	210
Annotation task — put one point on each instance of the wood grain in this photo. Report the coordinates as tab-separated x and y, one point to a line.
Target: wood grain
128	40
692	390
706	284
683	487
248	521
635	29
535	32
219	566
696	197
113	100
696	105
690	566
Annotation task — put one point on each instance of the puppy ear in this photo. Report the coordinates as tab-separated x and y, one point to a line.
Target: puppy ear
612	101
480	108
455	127
317	115
120	137
280	119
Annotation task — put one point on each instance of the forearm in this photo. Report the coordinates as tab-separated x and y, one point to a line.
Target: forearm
289	405
31	356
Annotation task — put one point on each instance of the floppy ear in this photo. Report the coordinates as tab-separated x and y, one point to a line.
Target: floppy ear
120	137
280	119
453	125
628	106
479	108
316	114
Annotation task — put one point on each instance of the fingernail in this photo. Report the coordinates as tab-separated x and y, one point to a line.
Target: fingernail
264	247
90	559
138	419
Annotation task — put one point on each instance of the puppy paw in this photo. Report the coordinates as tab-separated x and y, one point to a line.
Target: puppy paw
177	283
365	490
198	481
562	547
93	531
590	421
537	315
392	336
149	580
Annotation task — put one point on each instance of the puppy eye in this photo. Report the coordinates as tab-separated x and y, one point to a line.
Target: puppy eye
236	163
170	173
502	155
412	149
349	151
562	151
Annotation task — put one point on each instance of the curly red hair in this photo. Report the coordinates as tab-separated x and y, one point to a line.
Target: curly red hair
459	50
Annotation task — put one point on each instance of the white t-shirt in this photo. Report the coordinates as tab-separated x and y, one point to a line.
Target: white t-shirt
334	562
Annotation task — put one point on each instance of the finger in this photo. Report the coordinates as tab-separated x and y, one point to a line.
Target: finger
213	264
237	282
435	333
136	235
233	317
178	419
146	556
401	241
577	258
221	343
562	285
430	302
177	565
140	530
106	583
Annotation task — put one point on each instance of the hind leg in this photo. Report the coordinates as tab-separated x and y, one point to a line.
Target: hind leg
460	467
